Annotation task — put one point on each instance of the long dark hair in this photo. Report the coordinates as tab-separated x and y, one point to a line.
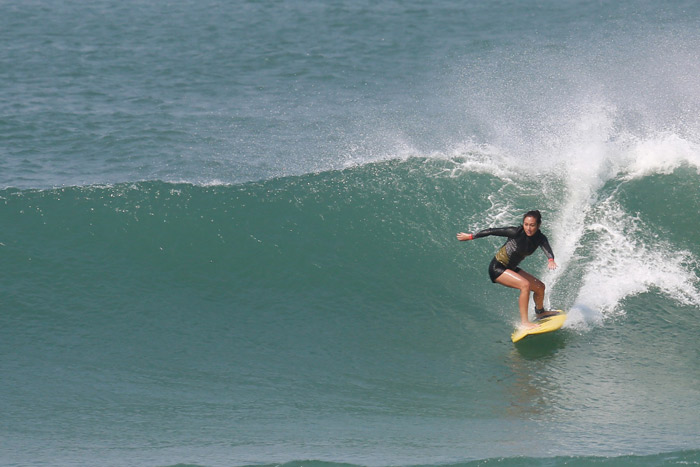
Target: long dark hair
536	214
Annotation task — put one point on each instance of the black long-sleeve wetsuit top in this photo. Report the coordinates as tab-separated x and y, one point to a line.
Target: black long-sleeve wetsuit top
519	245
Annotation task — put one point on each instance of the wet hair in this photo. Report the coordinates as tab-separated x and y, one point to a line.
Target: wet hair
536	214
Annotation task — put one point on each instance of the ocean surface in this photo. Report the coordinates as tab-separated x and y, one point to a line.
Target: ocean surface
227	232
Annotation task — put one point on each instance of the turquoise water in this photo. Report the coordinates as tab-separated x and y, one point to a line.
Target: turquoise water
228	232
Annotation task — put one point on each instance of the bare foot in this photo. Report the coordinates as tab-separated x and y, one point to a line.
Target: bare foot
528	325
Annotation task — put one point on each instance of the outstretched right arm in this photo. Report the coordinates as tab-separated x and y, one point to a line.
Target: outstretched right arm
497	231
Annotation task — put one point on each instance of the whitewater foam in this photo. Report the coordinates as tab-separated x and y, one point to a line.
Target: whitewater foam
628	260
661	154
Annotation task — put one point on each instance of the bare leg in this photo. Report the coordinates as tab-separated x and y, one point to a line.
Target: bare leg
518	281
536	286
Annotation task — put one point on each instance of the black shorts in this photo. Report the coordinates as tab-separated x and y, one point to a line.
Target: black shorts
496	268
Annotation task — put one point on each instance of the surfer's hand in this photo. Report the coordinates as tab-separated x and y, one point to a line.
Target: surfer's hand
462	237
551	265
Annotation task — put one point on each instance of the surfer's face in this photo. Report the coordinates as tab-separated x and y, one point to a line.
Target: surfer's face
530	226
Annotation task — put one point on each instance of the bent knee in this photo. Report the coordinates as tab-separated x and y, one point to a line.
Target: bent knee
539	285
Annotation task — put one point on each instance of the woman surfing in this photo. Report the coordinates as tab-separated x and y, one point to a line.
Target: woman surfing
504	270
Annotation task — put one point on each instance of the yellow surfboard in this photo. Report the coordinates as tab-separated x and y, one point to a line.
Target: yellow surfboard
549	324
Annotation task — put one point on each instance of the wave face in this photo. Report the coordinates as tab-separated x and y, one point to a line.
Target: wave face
299	316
